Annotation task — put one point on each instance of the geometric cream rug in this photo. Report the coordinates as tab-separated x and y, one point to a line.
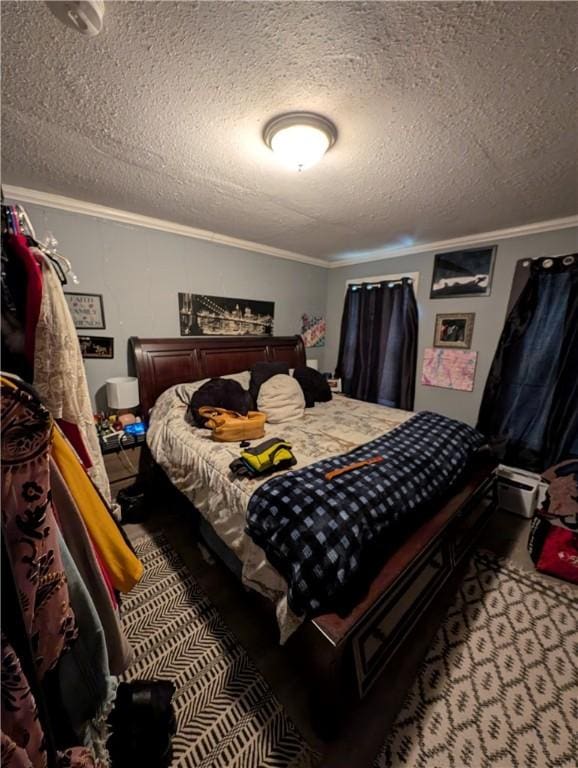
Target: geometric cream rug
227	716
499	685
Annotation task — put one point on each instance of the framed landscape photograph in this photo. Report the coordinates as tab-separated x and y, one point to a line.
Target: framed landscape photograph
97	347
463	273
87	310
454	330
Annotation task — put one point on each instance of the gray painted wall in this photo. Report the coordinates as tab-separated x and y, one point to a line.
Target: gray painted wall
140	271
490	311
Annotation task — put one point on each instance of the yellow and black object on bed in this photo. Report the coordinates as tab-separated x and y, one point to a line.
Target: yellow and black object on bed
270	456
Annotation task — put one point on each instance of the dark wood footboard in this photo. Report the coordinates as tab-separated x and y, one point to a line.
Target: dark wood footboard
354	659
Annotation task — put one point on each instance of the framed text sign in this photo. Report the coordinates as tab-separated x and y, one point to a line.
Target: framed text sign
87	310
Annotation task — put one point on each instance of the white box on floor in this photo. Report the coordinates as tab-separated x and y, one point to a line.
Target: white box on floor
519	491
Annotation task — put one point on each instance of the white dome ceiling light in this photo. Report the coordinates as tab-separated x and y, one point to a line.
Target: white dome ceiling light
299	139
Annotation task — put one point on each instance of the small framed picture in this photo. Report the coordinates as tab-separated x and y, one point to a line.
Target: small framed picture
463	273
98	347
334	385
87	310
454	330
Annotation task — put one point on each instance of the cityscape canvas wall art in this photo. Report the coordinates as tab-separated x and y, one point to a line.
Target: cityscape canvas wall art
201	315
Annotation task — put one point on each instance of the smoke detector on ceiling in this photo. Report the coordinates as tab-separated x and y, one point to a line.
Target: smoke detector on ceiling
85	16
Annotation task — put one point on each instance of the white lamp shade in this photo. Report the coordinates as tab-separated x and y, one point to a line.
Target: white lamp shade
122	392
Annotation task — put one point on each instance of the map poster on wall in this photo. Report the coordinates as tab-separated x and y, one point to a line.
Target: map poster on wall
201	315
313	331
87	310
449	368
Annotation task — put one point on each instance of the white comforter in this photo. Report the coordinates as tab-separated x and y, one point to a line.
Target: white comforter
199	468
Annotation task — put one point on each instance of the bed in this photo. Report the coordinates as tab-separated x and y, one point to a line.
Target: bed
348	654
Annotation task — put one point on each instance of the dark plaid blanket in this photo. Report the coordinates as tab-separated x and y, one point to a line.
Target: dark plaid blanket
319	533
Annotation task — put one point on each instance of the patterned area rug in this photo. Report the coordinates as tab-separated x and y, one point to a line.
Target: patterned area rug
227	717
499	686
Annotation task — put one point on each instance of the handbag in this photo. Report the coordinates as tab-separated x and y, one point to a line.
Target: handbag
232	427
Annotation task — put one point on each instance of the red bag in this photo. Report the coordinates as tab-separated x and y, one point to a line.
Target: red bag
559	555
553	542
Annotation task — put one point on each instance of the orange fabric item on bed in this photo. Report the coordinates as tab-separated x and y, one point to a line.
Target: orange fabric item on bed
350	467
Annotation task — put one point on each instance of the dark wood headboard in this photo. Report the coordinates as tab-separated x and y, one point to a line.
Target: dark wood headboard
161	363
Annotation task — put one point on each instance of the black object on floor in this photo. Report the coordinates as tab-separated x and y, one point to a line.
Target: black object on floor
133	504
142	725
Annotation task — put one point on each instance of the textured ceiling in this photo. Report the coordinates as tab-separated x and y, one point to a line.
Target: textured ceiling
453	119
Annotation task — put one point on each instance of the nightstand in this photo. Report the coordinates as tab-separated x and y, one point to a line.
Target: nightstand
122	461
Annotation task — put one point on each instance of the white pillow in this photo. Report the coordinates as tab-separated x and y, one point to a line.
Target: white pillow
281	398
244	378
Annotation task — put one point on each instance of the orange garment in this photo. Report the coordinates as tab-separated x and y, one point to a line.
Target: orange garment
124	567
349	467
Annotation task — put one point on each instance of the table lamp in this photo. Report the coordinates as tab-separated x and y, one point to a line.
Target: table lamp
122	394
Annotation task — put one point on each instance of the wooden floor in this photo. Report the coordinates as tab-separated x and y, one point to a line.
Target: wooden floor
505	534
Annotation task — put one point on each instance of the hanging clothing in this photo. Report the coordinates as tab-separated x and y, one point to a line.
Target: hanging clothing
78	541
22	736
87	690
30	537
378	343
528	410
28	526
13	306
17	245
123	565
60	377
16	634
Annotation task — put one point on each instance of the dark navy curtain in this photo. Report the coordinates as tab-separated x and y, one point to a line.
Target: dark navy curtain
378	343
529	409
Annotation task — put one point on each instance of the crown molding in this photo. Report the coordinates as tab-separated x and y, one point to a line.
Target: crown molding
482	238
49	200
69	204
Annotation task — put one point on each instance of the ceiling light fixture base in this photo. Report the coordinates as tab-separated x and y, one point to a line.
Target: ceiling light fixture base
300	139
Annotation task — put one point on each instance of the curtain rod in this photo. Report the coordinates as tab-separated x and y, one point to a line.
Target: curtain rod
567	259
356	286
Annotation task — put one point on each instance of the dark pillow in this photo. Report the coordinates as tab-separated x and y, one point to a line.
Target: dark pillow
220	393
314	385
261	372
